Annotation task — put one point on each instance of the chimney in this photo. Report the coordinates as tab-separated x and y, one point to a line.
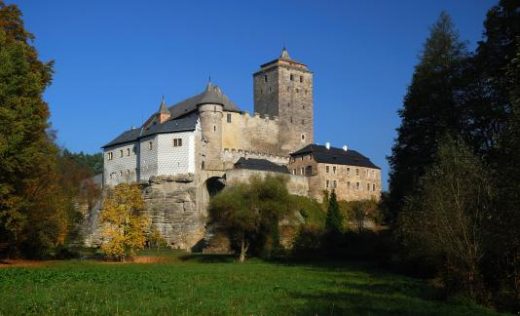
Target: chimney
345	148
327	145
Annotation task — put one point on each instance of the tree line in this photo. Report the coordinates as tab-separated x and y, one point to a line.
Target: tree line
455	177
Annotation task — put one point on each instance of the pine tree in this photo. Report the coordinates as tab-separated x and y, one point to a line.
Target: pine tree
430	109
334	219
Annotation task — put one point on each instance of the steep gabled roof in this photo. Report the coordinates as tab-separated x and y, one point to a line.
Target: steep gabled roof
212	95
259	164
335	155
184	124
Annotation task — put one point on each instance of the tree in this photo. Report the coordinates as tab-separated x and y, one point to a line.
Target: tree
250	212
430	109
446	219
124	225
32	218
91	162
503	236
334	219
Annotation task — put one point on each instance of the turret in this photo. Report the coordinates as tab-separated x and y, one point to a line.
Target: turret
210	107
164	114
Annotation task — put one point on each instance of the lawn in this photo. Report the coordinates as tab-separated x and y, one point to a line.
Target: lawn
216	285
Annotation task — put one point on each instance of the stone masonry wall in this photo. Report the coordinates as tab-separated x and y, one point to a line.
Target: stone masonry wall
349	182
296	185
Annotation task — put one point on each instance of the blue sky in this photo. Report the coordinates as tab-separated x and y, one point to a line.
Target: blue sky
114	60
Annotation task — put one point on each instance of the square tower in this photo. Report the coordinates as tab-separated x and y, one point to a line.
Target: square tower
284	88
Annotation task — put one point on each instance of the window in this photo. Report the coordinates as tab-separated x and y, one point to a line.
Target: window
327	169
150	145
292	77
303	107
327	184
357	172
291	119
297	90
121	153
214	128
134	149
308	171
202	165
357	186
348	171
303	137
128	151
348	185
110	156
373	187
368	186
177	142
335	184
301	78
229	118
302	171
265	78
334	169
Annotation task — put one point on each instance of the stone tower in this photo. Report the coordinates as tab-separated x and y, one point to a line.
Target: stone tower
210	107
284	88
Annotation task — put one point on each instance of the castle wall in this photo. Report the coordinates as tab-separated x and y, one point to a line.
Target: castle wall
349	182
147	158
296	185
172	159
123	165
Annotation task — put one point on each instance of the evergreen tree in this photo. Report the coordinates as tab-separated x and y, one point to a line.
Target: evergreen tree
430	109
31	217
334	219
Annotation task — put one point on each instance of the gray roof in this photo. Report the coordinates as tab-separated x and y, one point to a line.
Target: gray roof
259	164
187	123
211	95
336	156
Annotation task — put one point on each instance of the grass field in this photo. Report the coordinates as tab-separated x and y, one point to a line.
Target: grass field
215	285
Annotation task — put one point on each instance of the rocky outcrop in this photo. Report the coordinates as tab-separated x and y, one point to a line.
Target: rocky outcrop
171	205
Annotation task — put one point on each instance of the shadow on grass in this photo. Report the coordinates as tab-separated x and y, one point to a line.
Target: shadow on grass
208	258
364	289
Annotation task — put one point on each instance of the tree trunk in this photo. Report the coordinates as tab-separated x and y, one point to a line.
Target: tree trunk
243	250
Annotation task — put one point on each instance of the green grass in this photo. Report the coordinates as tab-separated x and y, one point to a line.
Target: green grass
216	285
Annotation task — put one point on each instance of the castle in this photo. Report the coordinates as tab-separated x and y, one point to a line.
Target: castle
208	141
